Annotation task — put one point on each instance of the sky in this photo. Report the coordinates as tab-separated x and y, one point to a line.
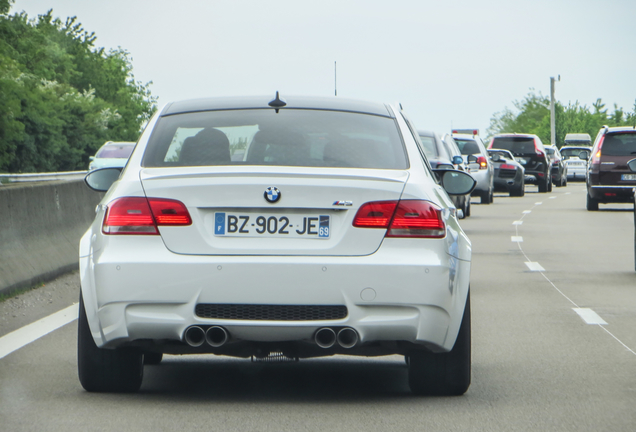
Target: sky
451	64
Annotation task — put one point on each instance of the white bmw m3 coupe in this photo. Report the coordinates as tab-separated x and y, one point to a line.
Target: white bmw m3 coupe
276	228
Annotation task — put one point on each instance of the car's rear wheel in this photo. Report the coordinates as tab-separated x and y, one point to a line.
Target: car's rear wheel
543	185
550	185
487	197
467	212
105	370
152	358
592	204
519	191
446	373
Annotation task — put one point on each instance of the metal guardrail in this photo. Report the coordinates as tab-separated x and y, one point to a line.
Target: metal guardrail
38	177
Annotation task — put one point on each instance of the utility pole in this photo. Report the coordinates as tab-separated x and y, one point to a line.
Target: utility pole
552	116
335	78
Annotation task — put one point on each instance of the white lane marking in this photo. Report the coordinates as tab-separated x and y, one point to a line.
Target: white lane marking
27	334
527	211
534	266
538	203
569	299
589	316
516	238
518	222
552	197
568	193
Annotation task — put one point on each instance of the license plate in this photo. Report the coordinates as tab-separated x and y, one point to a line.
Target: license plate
262	225
628	177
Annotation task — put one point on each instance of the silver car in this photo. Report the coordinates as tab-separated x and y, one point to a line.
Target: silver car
576	166
481	167
112	155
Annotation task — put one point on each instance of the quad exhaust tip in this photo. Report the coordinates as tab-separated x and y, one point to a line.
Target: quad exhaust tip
216	336
325	337
194	336
346	337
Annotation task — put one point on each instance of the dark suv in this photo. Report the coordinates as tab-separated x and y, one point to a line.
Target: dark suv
609	179
529	151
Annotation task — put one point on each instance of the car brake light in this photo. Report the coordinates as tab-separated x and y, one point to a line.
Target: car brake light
596	158
169	212
375	214
507	166
141	216
404	218
483	163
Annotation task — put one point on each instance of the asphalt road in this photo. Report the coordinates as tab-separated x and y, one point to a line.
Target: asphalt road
537	364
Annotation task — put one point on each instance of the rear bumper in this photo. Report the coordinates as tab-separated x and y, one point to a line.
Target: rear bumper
612	194
401	293
576	172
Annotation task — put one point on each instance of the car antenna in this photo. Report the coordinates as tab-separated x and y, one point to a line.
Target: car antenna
277	102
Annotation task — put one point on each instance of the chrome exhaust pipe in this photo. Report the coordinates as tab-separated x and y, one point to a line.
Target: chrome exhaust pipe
325	337
216	336
347	337
194	336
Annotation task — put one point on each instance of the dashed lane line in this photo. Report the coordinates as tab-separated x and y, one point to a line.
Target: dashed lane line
587	314
34	331
534	266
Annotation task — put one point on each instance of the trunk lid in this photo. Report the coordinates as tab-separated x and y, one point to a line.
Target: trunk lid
313	215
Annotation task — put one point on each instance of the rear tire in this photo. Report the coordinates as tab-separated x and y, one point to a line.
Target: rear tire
592	204
543	185
152	358
445	374
467	213
487	197
518	192
105	370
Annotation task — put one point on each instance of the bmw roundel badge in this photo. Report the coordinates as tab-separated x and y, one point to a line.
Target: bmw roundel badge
272	194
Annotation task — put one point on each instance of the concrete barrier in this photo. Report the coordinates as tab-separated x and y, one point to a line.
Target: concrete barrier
40	229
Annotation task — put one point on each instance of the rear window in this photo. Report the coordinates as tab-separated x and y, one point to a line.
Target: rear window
428	144
115	151
619	144
467	146
312	138
517	145
568	153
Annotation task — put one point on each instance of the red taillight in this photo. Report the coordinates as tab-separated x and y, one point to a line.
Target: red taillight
596	158
405	218
138	215
537	150
483	163
169	212
507	166
375	214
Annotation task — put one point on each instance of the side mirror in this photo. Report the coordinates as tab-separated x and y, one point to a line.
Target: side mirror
472	159
101	180
458	160
584	155
495	157
457	182
632	164
91	158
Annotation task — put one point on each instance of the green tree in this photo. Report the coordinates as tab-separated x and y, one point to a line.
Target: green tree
62	96
532	115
